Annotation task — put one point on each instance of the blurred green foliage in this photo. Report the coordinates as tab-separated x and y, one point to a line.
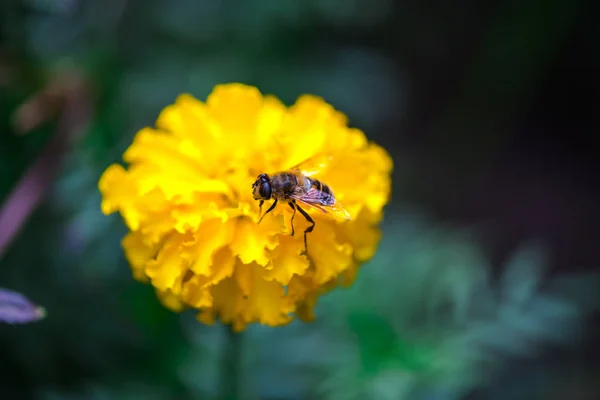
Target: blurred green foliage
424	320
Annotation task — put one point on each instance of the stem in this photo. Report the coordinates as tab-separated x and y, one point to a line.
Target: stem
37	180
230	365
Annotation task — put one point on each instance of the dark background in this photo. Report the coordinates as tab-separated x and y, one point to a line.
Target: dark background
490	111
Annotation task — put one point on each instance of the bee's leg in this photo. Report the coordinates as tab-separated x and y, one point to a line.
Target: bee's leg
260	207
307	230
269	210
293	205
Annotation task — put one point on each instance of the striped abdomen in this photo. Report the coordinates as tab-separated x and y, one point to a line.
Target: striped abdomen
327	197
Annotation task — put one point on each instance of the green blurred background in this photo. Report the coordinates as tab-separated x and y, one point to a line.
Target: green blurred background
484	286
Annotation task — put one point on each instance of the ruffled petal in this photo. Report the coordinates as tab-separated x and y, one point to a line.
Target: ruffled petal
197	290
170	300
119	193
329	256
228	300
236	108
286	260
168	266
210	236
138	253
263	300
252	242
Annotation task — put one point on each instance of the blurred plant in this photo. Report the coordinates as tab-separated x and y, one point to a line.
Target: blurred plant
193	217
423	320
65	95
205	42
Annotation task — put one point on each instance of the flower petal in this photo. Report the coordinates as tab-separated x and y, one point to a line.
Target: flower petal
168	265
286	260
210	236
189	216
119	194
224	262
329	257
170	300
227	301
240	100
268	125
252	241
138	253
166	152
190	119
304	129
264	300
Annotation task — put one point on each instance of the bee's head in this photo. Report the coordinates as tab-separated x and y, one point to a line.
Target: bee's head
261	188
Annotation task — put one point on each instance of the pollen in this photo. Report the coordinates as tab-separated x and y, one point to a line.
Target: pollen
185	193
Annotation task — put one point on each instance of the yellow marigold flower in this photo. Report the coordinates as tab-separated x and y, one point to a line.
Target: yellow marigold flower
186	198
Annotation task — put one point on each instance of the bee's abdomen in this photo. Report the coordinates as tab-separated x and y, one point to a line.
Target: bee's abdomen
321	186
327	193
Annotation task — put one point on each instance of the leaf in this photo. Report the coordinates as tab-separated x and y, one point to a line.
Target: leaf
523	273
376	339
580	290
17	309
413	357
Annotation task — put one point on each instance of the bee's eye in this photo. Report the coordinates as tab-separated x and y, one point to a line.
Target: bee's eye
265	190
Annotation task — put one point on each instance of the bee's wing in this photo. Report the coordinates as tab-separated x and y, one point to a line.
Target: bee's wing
314	165
324	202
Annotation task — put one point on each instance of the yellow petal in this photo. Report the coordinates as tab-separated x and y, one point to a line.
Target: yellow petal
329	257
304	129
223	265
208	206
363	234
206	316
190	119
164	151
119	193
252	241
168	265
268	124
349	275
197	290
138	253
341	140
244	277
170	300
196	293
300	286
351	185
243	102
210	236
286	260
264	300
243	180
305	309
155	223
227	300
176	188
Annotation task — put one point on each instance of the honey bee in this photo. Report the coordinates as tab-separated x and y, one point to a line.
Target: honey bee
295	187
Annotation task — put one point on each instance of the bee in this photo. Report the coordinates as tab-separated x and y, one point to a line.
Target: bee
294	187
